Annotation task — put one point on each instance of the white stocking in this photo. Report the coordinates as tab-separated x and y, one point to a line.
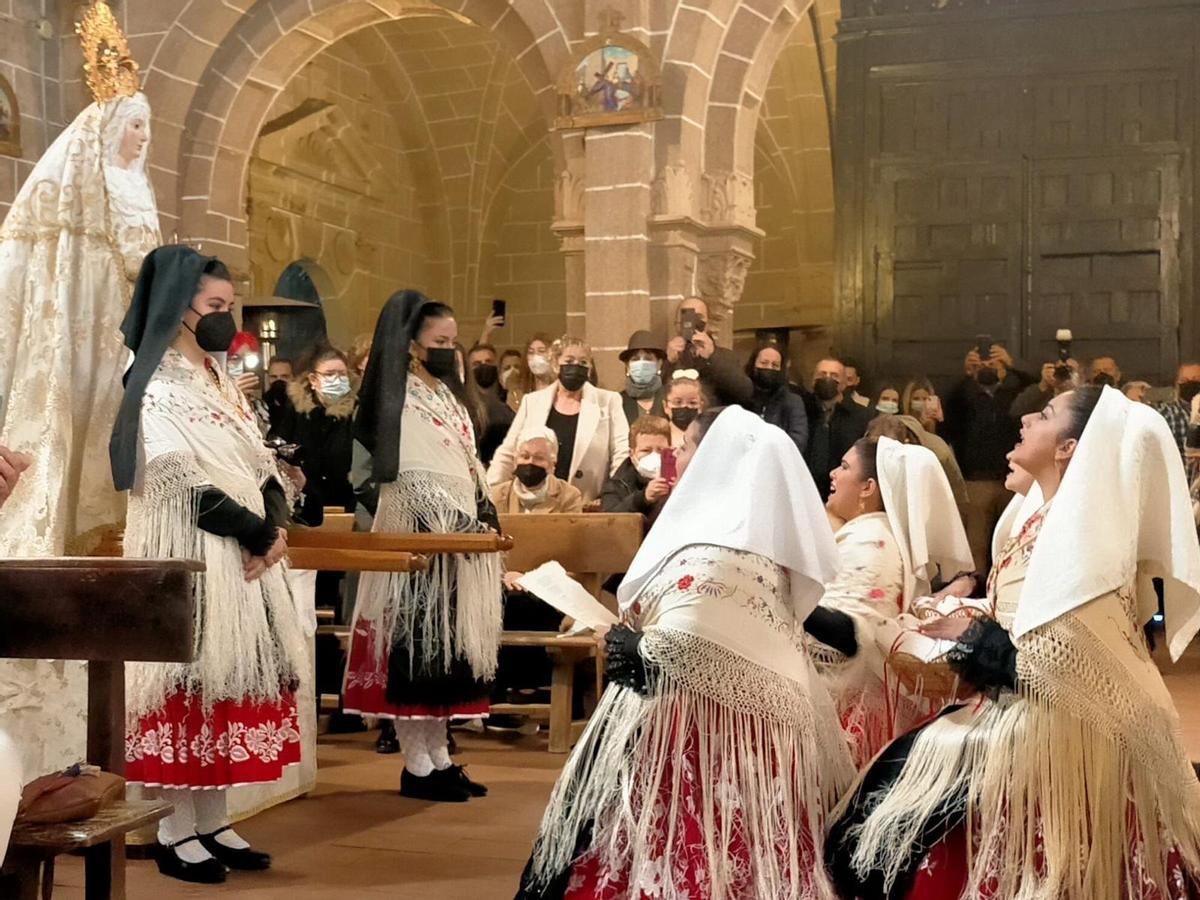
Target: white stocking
411	735
180	825
212	815
436	743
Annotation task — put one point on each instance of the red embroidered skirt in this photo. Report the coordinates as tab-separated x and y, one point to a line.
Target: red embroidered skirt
365	689
234	743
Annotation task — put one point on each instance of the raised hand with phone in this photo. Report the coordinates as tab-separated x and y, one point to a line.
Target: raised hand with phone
693	346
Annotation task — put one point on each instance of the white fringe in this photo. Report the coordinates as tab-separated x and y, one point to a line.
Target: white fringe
767	775
248	643
406	605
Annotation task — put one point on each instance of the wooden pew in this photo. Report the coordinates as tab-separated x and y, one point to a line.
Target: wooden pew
590	547
105	611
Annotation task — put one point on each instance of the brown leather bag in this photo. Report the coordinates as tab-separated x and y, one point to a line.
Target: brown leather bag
69	796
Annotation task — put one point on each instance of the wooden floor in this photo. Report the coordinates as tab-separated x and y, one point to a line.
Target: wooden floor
356	837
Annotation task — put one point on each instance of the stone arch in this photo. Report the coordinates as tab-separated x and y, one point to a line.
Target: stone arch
226	66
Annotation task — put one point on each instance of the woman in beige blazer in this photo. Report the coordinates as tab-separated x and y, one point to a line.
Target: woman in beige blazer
593	434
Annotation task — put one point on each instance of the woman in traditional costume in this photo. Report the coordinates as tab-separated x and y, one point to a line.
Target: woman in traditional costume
424	644
1065	778
715	755
204	486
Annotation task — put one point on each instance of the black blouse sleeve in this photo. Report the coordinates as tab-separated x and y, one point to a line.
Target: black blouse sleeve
985	657
624	664
833	628
223	516
276	504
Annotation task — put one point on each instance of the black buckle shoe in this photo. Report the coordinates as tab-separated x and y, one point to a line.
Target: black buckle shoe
244	860
210	871
435	786
387	742
458	775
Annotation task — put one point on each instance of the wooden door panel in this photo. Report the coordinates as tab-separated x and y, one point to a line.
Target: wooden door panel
1104	258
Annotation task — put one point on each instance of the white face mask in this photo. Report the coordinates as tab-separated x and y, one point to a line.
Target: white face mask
918	406
888	407
334	387
650	465
539	365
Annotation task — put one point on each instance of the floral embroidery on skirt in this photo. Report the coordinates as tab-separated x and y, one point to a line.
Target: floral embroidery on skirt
234	743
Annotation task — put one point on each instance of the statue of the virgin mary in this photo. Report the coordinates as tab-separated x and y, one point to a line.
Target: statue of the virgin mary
70	249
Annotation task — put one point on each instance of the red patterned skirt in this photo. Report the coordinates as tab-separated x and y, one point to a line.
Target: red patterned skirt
234	743
365	689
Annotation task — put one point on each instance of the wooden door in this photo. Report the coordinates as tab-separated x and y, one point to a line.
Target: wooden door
1104	259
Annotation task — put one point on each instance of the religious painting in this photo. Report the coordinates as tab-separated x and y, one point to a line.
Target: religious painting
614	81
10	120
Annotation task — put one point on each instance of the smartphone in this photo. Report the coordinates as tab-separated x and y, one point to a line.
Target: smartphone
690	323
983	345
499	309
669	471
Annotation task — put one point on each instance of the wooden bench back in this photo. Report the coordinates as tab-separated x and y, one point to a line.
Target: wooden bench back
591	544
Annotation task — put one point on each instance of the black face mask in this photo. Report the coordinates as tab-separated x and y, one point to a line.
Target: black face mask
441	362
1188	390
277	393
485	375
987	377
1104	380
826	389
683	417
573	377
530	475
215	331
768	379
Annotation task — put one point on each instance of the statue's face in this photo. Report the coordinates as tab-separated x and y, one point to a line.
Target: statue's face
133	141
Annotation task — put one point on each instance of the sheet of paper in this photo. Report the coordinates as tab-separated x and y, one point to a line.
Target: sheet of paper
551	583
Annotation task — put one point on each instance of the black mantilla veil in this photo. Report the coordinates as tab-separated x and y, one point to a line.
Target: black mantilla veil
165	289
385	383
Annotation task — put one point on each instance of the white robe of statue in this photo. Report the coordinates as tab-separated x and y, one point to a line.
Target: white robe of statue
70	249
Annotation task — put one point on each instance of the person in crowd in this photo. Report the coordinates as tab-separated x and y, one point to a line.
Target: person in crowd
1137	391
854	382
279	375
643	394
424	644
483	371
907	430
1104	371
205	486
899	537
243	363
1065	775
358	357
1178	411
593	436
534	487
320	421
773	400
981	432
684	402
694	349
920	401
537	370
888	401
834	422
638	485
1057	378
714	759
510	372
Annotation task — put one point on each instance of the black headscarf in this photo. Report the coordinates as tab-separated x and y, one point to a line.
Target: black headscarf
165	289
385	383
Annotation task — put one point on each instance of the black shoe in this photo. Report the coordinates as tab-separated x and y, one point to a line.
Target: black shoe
458	775
434	786
244	860
211	871
387	743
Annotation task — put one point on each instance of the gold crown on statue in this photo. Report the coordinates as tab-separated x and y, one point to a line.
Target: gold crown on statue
111	71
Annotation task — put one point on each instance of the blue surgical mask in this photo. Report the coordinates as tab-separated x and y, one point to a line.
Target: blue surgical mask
334	387
643	371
